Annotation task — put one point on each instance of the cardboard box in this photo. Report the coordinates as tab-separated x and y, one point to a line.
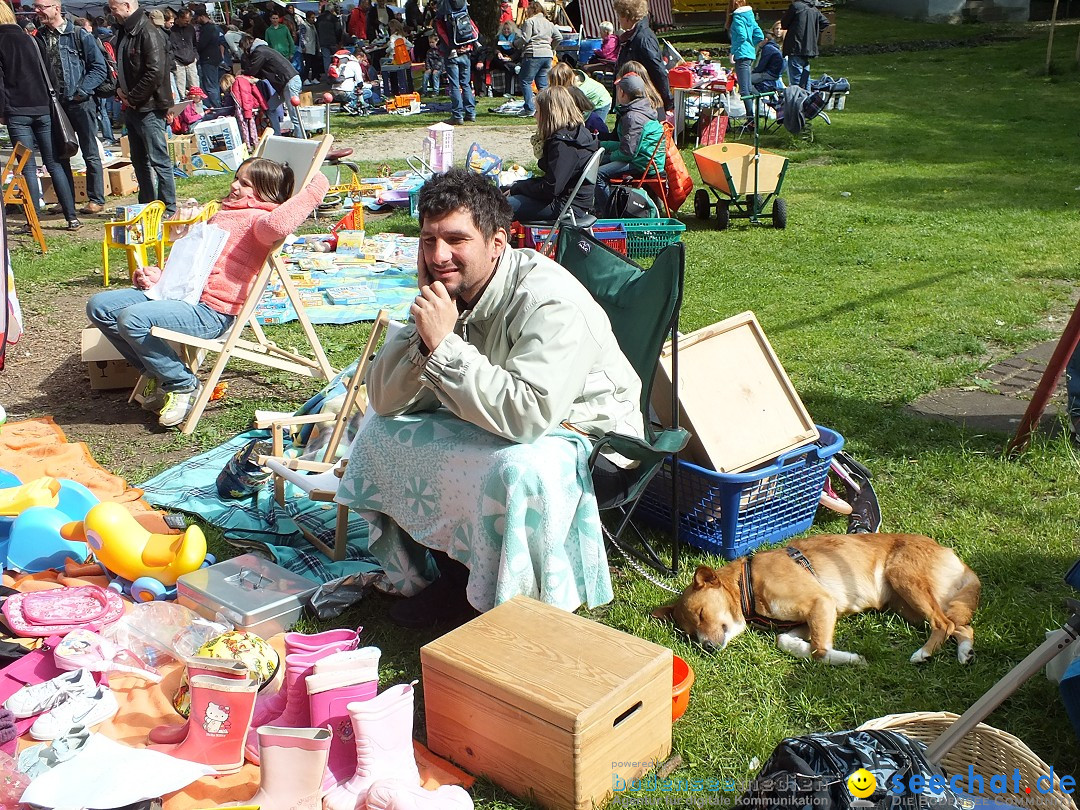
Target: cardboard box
218	135
121	179
48	193
224	162
182	149
107	367
828	37
548	705
125	146
734	397
80	185
306	99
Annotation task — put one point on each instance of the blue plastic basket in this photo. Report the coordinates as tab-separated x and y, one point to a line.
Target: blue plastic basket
731	514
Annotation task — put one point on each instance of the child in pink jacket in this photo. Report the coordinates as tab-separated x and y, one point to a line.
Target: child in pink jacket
248	102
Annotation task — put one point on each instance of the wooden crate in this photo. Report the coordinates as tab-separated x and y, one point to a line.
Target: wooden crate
734	397
546	704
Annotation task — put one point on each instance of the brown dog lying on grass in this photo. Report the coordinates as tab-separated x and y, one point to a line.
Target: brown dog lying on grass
801	589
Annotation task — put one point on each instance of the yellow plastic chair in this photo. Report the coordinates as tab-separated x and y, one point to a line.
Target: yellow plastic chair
173	229
139	234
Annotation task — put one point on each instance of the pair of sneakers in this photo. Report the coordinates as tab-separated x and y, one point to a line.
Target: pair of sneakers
172	407
72	699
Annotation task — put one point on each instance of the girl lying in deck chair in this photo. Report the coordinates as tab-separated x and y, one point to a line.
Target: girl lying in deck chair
257	213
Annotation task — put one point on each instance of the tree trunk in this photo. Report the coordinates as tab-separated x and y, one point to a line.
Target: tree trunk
485	14
1050	39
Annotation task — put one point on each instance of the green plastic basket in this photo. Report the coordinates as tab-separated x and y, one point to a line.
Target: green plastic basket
647	237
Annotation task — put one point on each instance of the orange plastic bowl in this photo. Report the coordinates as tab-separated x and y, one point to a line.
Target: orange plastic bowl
682	678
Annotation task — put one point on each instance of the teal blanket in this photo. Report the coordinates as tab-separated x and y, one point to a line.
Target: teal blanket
522	517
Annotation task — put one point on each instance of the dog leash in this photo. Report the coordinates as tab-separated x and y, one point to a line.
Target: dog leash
746	593
634	563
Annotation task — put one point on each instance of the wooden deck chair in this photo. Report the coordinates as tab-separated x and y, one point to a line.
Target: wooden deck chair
277	461
305	157
17	192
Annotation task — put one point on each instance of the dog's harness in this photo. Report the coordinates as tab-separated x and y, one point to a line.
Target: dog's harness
746	594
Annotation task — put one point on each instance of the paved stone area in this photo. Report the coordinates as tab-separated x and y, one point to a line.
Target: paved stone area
999	396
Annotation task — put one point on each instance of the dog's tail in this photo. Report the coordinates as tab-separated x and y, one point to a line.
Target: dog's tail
964	601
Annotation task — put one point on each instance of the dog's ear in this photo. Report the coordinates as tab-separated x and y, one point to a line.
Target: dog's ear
705	577
664	613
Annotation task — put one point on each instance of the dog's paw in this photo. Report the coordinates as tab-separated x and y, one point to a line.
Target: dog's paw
964	652
919	656
842	658
793	645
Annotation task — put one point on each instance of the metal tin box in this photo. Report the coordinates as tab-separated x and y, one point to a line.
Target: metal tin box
252	593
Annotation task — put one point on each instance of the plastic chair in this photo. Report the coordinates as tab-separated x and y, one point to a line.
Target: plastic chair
643	307
173	229
135	236
17	192
567	215
653	179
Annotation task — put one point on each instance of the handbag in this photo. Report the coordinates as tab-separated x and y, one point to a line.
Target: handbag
58	612
65	141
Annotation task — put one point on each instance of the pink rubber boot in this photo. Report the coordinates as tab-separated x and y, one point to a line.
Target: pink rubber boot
293	763
295	713
338	680
219	721
382	727
321	644
394	794
171	734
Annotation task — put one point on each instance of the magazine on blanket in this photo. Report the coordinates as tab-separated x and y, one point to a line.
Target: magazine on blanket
189	264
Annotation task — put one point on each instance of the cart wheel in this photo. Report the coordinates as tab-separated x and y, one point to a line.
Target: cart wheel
779	213
723	215
754	206
701	203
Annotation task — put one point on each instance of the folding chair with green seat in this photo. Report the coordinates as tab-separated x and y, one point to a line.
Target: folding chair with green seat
567	215
643	307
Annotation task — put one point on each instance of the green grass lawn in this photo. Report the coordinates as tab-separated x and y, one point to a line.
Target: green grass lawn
932	232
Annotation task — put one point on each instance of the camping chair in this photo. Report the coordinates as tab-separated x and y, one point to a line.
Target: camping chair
643	307
317	488
305	156
567	215
135	236
652	179
17	192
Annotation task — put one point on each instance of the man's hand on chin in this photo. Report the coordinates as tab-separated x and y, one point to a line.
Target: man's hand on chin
434	313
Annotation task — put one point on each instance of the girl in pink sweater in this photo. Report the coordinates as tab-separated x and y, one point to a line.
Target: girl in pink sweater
258	212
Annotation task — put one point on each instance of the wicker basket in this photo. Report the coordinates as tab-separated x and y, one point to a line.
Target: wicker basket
988	750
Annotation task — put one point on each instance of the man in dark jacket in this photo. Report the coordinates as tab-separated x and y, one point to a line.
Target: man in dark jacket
263	62
803	23
328	28
77	68
143	84
182	38
211	51
638	43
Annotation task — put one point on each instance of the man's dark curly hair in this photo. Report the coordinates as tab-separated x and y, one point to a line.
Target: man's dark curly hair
456	189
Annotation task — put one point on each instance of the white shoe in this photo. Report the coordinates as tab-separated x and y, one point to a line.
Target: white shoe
177	406
41	697
78	710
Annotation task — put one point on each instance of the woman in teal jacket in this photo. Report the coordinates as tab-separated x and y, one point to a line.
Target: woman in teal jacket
745	34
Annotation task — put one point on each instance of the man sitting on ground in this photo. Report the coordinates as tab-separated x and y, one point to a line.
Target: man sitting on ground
506	340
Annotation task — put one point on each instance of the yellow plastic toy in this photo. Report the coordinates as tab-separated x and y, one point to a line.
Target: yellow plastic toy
39	492
128	550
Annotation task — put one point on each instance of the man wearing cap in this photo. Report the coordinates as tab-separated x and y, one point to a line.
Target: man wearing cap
76	66
143	83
